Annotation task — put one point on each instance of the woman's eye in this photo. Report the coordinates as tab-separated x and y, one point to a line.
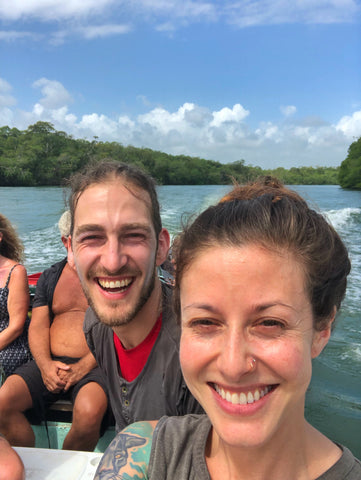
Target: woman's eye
272	323
203	324
270	327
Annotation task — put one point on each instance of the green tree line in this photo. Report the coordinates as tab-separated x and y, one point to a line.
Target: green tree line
42	156
350	169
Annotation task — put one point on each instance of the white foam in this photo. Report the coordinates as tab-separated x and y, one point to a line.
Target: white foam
340	218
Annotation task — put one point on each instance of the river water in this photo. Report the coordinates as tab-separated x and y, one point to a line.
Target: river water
334	397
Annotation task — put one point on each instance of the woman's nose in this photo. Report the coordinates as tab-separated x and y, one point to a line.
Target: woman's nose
235	358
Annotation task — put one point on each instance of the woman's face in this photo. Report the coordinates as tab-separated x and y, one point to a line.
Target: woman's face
239	304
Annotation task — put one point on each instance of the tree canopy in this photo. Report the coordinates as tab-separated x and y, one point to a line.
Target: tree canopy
350	169
42	156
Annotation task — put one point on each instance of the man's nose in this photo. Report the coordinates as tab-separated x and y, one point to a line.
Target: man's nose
114	256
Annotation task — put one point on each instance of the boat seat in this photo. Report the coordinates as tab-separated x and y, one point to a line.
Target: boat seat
62	405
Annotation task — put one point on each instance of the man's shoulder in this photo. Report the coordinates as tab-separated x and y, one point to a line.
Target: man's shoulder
91	322
54	269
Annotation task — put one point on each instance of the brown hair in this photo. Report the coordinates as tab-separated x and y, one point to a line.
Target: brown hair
267	213
105	170
10	245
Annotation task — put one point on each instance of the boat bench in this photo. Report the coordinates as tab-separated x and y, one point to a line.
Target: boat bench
62	406
60	411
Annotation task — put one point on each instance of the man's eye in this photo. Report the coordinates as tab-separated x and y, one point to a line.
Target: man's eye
136	236
90	238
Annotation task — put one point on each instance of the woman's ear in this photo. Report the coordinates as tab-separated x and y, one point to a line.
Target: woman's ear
321	338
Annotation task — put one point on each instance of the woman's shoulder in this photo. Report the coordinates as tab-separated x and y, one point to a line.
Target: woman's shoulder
17	272
347	467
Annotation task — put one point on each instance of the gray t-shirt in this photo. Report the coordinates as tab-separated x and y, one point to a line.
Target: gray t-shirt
159	389
178	452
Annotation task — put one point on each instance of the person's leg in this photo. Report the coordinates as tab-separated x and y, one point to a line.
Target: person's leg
15	398
11	465
89	408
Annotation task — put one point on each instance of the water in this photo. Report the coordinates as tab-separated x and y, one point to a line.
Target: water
334	397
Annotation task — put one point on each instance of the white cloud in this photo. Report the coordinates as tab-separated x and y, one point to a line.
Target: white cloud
272	12
288	110
165	15
12	35
99	31
55	95
6	99
350	126
236	114
46	10
195	130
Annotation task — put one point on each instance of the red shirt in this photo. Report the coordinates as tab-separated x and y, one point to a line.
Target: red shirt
132	361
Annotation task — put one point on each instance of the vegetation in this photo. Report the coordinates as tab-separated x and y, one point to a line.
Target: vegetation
350	170
42	156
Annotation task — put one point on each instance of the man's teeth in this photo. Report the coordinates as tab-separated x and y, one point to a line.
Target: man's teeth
242	398
114	284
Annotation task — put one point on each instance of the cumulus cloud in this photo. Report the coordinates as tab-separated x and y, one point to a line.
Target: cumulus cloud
224	135
236	114
350	126
54	94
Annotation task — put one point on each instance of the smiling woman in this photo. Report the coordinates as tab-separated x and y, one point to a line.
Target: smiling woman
259	279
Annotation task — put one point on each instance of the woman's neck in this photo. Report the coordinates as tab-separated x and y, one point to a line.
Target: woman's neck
301	453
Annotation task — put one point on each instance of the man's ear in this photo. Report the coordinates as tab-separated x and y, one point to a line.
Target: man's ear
163	246
321	338
71	261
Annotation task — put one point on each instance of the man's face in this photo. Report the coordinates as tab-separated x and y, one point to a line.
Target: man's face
115	250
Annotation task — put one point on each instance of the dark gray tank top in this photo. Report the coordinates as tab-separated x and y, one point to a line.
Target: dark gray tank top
178	452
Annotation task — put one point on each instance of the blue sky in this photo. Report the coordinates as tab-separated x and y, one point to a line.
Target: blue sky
272	82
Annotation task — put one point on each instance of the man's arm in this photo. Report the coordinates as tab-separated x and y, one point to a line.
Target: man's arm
127	456
39	342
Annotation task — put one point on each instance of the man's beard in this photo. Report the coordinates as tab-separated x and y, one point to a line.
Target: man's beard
126	317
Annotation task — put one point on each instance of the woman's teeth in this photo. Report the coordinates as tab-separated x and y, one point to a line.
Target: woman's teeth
244	397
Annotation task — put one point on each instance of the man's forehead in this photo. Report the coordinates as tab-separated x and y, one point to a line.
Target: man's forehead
137	192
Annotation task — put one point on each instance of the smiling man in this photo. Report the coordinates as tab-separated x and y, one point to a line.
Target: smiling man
117	246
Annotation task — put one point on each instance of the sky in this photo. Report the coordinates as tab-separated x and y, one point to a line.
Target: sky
276	83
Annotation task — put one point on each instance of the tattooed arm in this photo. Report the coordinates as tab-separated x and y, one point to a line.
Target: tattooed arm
127	456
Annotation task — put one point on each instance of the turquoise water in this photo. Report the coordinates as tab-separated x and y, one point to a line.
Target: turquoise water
334	397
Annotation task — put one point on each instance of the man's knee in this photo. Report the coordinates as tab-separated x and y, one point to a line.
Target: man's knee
90	405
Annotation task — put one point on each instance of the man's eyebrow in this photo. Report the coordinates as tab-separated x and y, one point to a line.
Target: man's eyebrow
94	227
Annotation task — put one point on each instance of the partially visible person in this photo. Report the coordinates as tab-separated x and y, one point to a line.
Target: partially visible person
14	300
259	280
11	465
117	245
63	366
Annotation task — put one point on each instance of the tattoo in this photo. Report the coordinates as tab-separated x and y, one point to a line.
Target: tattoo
127	456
